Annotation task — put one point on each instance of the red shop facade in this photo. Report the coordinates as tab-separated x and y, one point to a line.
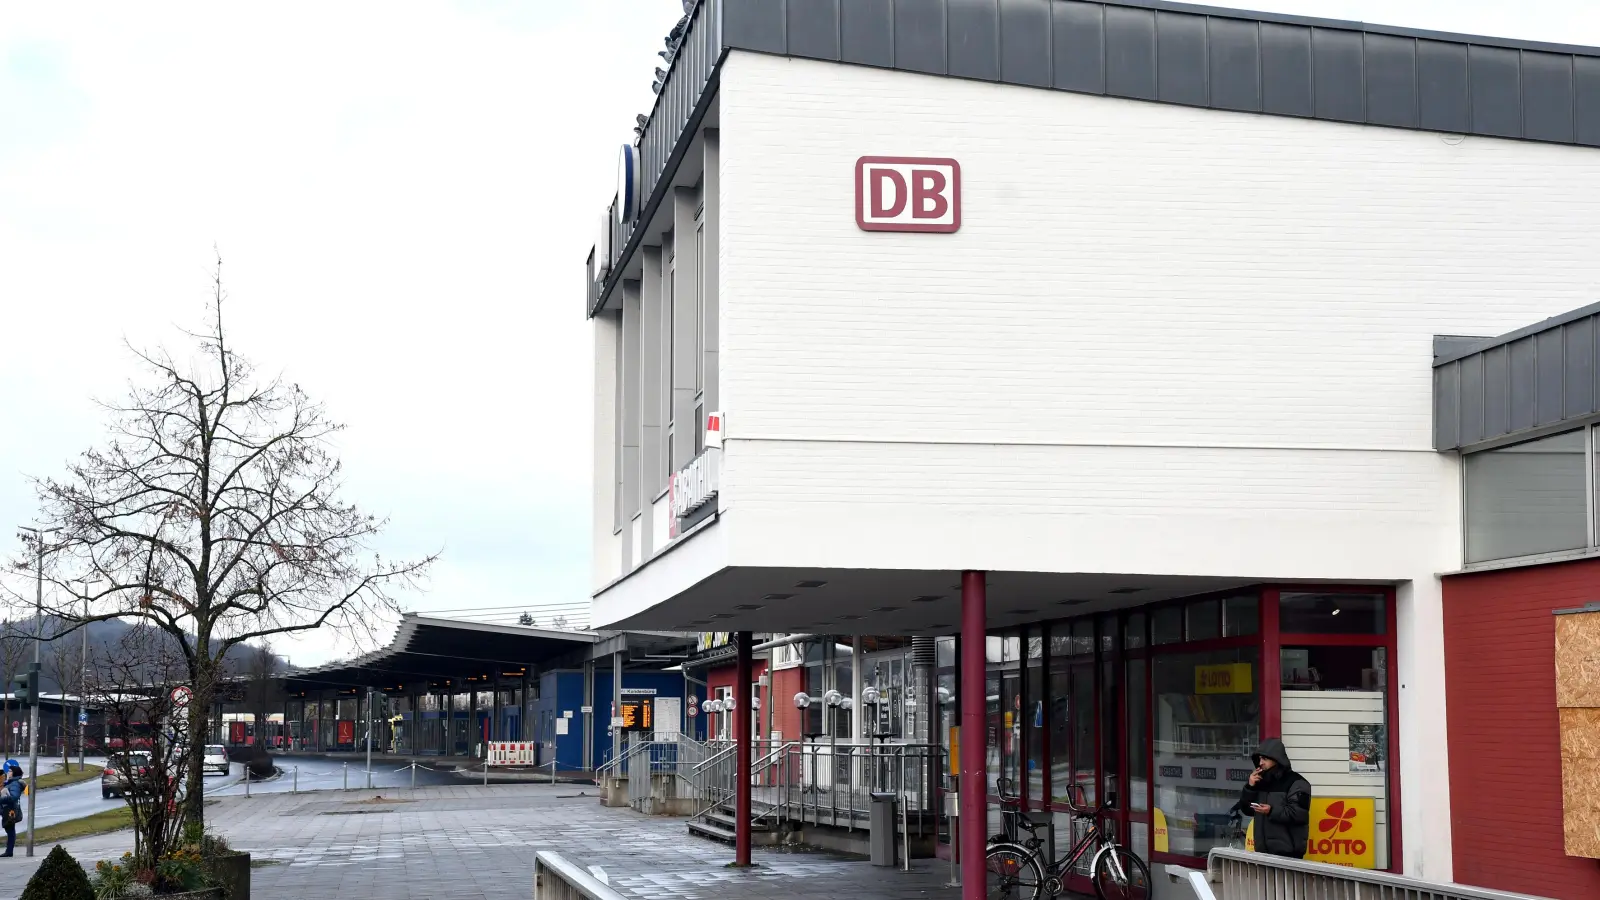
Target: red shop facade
1157	709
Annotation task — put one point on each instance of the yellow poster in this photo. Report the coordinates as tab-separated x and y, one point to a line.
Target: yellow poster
1008	719
1344	832
955	750
1160	822
1225	678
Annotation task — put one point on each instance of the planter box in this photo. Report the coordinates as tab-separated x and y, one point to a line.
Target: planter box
207	894
232	872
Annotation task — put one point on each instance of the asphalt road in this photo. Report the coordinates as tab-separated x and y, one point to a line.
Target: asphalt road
315	774
319	774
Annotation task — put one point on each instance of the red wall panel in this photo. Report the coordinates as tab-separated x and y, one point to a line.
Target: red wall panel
1505	754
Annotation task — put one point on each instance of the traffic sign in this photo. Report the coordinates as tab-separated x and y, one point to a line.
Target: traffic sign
83	717
180	696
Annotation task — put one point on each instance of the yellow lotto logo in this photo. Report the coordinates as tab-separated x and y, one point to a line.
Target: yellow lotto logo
1343	832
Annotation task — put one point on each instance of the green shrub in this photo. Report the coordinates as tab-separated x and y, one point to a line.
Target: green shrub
59	877
113	879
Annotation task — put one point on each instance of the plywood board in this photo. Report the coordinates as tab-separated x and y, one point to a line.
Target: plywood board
1580	781
1578	660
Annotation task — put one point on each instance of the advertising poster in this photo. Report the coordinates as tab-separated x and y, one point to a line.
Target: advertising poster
347	731
1367	743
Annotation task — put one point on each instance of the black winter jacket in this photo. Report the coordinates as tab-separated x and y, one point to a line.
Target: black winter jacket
1283	831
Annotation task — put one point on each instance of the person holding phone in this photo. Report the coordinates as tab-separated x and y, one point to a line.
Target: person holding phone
1279	799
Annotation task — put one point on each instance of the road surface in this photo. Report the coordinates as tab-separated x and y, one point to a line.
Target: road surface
315	774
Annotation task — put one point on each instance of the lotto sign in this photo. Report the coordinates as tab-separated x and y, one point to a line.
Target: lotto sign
908	193
1343	832
1227	678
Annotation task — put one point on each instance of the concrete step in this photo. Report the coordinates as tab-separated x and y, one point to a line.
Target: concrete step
711	830
727	821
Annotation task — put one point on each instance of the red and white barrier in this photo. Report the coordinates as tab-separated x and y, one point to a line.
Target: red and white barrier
511	753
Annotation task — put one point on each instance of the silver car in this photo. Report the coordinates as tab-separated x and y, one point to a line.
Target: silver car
216	760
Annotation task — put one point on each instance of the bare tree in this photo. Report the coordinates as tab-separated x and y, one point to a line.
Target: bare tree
132	684
213	514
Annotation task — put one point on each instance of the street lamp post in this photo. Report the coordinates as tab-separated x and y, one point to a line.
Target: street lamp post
83	677
33	711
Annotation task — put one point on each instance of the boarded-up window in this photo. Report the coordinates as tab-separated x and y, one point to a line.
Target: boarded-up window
1578	702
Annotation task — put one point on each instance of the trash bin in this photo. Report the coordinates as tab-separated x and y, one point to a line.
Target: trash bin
881	836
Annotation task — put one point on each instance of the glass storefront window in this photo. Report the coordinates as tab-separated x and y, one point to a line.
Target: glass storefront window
1133	631
1203	620
1241	615
1331	613
1137	693
1335	725
1060	717
1166	625
1083	637
1034	720
1207	720
1083	730
1526	498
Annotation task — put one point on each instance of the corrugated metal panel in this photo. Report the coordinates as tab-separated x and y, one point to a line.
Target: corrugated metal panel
1235	57
1025	42
974	30
1499	653
1534	378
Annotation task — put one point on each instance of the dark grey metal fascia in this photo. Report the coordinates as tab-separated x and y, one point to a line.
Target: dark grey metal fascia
1155	50
1532	380
1203	56
690	85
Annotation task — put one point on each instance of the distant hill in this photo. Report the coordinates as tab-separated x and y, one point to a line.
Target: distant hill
66	651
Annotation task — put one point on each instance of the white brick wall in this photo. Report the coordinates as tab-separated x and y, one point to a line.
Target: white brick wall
1166	340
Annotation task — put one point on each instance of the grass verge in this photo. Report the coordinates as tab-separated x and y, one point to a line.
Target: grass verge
99	823
72	774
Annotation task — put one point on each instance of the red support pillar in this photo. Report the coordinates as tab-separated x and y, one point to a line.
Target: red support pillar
741	738
970	749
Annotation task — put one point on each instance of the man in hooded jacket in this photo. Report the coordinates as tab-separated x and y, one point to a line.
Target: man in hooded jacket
1279	799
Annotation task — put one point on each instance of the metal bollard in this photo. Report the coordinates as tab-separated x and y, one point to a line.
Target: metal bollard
486	773
413	774
247	779
294	786
347	776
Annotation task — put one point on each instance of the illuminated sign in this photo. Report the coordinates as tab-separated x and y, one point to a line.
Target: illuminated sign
637	715
1227	678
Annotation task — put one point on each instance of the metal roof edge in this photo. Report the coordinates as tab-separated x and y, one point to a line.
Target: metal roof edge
1489	343
1227	12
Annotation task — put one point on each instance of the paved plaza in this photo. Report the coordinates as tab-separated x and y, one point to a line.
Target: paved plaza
474	842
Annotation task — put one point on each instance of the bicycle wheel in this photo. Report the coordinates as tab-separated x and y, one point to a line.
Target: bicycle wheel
1012	873
1119	874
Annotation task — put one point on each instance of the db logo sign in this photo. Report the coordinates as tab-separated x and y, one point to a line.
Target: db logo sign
906	193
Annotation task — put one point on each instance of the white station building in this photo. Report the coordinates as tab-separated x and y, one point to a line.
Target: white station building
1110	324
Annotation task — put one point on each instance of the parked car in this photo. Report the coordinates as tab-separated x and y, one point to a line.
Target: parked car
112	781
216	760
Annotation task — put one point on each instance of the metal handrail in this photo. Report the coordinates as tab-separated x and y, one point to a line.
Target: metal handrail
616	762
1244	875
554	878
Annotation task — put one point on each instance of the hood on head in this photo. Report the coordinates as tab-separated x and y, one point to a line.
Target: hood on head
1272	749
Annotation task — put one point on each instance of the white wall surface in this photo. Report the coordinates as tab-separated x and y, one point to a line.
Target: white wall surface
1165	340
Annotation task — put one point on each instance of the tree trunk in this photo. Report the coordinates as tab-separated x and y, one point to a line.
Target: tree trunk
198	720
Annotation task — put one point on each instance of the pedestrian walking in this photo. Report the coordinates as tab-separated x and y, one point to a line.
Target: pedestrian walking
1279	799
11	803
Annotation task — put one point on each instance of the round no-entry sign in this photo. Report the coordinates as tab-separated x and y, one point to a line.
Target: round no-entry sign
181	695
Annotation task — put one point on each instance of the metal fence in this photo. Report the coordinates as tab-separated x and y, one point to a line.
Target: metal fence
554	878
1243	875
663	768
828	783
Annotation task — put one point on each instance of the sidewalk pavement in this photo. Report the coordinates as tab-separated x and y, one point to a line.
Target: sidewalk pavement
478	843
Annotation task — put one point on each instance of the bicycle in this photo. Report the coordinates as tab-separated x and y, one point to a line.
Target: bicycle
1018	869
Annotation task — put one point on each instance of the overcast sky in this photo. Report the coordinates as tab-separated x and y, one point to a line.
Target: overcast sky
403	194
